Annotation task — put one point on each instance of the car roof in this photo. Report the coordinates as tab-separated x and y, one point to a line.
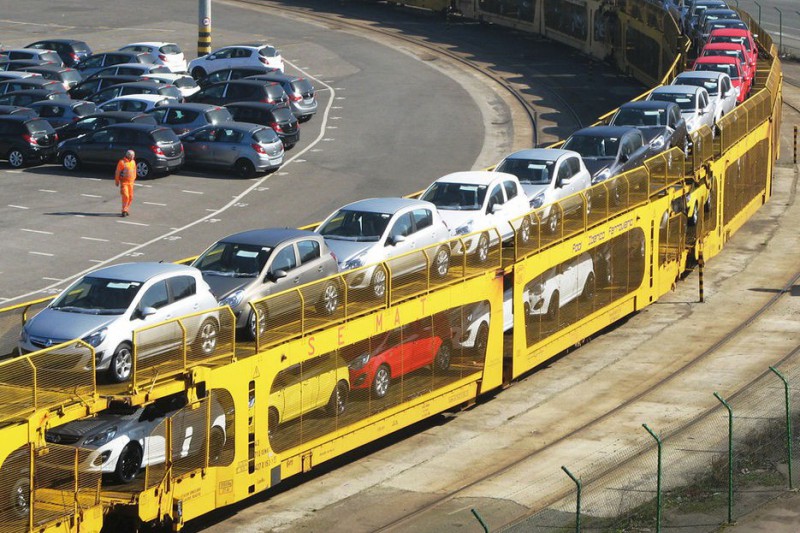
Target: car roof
648	104
386	205
191	106
48	66
722	46
700	74
242	81
731	32
62	103
142	83
717	59
34	80
682	89
149	43
256	105
722	10
605	131
18	118
137	126
66	41
11	108
116	114
548	154
235	125
474	177
268	236
140	97
141	271
34	92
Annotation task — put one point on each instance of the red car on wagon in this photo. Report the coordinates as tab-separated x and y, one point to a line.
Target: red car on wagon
744	37
730	66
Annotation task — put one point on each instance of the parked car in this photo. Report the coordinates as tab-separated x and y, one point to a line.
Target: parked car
68	77
736	50
470	323
16	64
25	84
719	24
124	438
48	56
608	150
185	83
160	53
92	85
228	92
730	66
711	15
696	106
94	63
368	232
301	93
478	203
136	88
254	264
129	69
6	75
547	175
71	51
18	110
697	9
26	98
104	307
279	118
241	147
158	149
234	73
26	140
736	35
242	55
139	103
183	118
62	112
661	124
559	286
720	89
96	121
377	362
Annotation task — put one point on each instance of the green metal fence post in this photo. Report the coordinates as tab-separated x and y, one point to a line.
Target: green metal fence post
658	479
788	424
480	519
730	456
579	485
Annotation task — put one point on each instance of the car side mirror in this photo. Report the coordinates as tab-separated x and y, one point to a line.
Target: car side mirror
144	312
397	239
496	208
624	158
277	274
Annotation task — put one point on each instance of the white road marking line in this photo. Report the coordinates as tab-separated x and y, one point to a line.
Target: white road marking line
95	260
13	172
333	127
192	192
132	223
94	179
282	173
340	98
37	231
79	216
40	253
209	210
336	118
131	243
52	279
47	190
300	161
18	206
91	195
317	150
155	203
94	239
339	88
328	139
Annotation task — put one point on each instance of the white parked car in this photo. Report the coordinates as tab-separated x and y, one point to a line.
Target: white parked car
139	103
167	54
371	231
720	88
185	83
558	286
476	202
547	175
470	325
240	55
104	308
697	109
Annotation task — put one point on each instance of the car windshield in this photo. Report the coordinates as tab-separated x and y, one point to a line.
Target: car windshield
730	53
456	196
350	225
268	51
685	101
709	84
726	68
266	136
185	82
727	39
39	126
593	146
71	75
82	110
529	171
98	296
165	135
640	117
233	259
170	49
215	116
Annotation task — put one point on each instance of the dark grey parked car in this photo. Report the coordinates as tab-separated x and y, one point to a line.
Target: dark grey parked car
26	98
68	77
608	150
241	147
253	264
91	64
242	91
62	112
27	84
661	124
71	51
18	110
135	87
183	118
301	93
26	140
279	118
96	121
92	85
233	73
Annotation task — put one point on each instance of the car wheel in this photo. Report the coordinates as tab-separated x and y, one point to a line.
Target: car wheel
129	463
245	168
143	169
121	363
552	308
216	442
442	360
272	422
338	400
381	381
482	249
686	145
553	222
198	73
17	500
587	294
379	282
251	324
16	158
481	339
329	299
70	161
441	262
207	336
525	231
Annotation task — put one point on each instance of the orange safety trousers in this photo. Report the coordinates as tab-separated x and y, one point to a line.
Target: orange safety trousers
126	191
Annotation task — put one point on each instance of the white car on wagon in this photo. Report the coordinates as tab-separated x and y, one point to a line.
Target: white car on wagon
697	108
719	86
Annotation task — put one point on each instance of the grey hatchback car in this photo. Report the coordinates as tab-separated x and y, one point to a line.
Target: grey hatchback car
183	118
253	264
243	147
62	112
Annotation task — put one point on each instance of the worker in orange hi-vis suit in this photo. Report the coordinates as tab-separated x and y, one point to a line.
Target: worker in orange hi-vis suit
124	178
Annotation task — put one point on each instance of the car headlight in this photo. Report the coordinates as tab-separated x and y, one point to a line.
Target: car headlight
102	437
464	228
94	339
233	299
538	200
359	362
355	262
658	142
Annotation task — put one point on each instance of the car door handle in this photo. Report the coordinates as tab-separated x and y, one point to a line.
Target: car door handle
319	269
296	280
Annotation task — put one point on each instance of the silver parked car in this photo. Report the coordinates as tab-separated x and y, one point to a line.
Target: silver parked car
720	88
370	231
104	307
696	106
254	264
183	118
240	146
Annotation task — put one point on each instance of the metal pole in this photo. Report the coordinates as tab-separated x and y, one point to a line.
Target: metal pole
730	456
579	485
780	30
700	264
480	519
204	28
788	420
658	478
795	143
759	14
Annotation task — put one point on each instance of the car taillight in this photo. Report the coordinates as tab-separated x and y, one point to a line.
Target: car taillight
75	57
181	145
276	127
156	150
295	97
268	100
263	60
162	57
258	148
55	137
30	140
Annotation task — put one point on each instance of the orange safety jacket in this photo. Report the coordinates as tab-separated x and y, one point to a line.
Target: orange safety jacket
126	171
